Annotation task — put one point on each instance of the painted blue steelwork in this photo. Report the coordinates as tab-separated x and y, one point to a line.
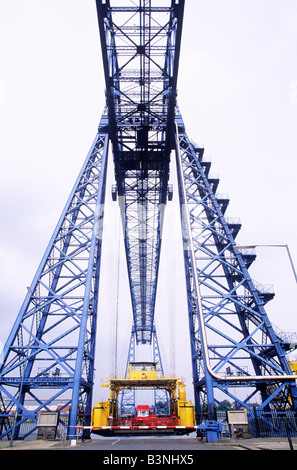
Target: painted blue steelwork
50	350
51	345
140	47
127	397
233	342
161	396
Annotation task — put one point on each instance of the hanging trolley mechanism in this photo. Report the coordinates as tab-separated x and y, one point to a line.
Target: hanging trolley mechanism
106	417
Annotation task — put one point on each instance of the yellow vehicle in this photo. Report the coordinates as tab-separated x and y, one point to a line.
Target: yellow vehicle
144	375
293	366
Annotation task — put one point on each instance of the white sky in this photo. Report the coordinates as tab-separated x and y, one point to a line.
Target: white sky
238	96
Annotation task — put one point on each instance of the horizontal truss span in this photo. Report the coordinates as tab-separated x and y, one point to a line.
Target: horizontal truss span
140	50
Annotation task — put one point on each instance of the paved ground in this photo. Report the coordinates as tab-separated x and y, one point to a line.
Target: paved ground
178	445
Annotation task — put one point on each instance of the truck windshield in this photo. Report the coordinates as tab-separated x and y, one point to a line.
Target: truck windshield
142	413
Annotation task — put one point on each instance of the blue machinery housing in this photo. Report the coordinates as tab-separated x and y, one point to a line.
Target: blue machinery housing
50	351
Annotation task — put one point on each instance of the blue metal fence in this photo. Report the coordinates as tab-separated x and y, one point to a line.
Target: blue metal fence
28	427
273	424
265	424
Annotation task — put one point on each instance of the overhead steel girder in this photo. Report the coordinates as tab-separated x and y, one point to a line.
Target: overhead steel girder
52	343
140	51
140	48
142	217
232	340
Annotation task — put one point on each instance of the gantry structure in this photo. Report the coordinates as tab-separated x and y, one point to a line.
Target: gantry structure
50	351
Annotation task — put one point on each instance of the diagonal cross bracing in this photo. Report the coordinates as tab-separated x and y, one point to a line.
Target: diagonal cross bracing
232	339
140	47
51	344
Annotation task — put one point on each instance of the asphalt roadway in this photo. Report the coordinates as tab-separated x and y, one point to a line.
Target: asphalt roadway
149	446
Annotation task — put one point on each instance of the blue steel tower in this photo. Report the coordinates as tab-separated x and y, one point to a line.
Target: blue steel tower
50	351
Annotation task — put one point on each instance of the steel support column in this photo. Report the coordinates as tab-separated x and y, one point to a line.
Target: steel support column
52	343
233	342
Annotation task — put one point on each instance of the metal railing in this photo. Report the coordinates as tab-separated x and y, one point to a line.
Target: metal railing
28	427
272	424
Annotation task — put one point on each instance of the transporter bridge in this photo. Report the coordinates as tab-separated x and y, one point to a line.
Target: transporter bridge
232	341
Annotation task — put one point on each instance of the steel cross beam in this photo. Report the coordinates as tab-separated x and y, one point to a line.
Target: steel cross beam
140	44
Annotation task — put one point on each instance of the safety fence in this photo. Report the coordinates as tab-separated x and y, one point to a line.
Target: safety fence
263	424
28	427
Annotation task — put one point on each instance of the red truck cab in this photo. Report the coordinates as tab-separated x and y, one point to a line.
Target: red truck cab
143	412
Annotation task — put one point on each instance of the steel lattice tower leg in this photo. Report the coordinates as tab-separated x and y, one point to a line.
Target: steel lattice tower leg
127	401
50	350
232	340
161	399
161	396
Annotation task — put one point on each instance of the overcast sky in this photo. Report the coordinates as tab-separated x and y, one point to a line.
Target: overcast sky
237	92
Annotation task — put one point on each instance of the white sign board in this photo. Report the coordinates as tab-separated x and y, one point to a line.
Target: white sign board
48	419
237	417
